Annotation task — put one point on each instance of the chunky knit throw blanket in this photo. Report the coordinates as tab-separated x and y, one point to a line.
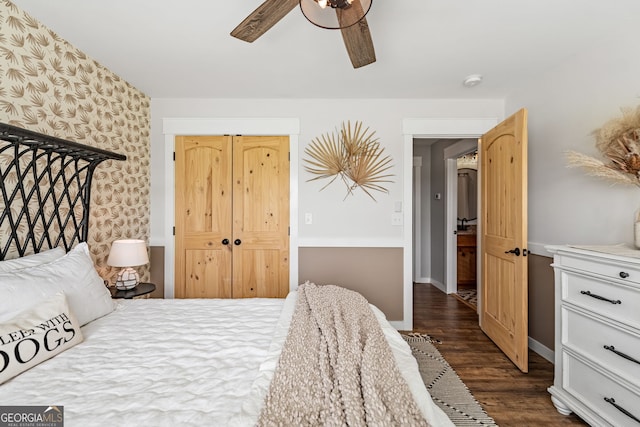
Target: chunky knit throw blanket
336	367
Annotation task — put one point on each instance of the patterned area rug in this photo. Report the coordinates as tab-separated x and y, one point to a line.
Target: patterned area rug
446	388
468	296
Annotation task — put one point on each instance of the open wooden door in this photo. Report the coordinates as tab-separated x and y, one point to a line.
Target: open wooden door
503	313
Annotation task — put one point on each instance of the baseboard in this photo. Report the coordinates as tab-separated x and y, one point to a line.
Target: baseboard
399	325
430	281
542	350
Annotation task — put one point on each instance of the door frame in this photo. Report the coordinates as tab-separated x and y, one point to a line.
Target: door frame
451	154
171	127
430	128
417	219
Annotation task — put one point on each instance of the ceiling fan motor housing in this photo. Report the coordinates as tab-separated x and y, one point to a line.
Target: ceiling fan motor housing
339	4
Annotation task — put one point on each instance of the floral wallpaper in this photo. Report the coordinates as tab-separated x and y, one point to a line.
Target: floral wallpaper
49	86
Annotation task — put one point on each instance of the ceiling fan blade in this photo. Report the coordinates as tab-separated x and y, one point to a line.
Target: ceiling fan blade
357	37
262	19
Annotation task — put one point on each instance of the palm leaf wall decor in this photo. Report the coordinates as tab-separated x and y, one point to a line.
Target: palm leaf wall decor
352	154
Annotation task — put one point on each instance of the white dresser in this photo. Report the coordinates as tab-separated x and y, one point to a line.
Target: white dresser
597	335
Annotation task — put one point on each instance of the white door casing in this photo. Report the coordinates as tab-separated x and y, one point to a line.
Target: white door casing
171	127
428	128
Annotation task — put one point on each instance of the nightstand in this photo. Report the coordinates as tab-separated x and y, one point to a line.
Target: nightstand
143	290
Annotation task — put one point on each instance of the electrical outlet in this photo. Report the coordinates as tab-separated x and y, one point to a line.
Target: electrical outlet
396	219
308	218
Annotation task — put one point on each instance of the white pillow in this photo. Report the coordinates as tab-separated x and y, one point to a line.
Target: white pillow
72	274
36	335
31	260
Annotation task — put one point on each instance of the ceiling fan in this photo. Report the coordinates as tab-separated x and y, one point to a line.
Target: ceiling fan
346	15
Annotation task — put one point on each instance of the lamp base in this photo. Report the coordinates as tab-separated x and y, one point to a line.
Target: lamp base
127	279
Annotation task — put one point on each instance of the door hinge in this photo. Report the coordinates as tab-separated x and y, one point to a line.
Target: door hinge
288	231
289	155
174	230
174	156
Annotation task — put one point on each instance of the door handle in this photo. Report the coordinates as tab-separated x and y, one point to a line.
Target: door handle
515	251
225	241
237	242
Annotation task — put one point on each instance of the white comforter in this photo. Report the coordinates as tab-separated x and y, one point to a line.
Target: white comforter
178	362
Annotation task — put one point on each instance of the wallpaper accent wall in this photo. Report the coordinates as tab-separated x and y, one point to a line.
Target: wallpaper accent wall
49	86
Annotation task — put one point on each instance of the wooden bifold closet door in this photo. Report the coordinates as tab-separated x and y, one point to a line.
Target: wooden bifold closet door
232	216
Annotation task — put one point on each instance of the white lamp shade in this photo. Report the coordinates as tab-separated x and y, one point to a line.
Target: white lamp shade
128	253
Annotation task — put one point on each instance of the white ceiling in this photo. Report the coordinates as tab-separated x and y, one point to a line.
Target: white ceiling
424	48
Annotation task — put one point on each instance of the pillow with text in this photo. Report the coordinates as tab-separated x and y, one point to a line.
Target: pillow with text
36	335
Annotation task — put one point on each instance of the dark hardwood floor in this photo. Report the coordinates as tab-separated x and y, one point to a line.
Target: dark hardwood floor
510	397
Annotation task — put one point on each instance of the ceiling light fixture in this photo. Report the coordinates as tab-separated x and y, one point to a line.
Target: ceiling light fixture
472	80
339	13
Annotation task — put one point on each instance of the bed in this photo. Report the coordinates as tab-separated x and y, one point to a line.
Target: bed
236	362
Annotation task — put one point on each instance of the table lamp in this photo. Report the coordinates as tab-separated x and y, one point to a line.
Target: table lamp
126	254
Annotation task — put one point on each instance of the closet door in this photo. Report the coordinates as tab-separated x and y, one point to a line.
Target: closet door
203	217
260	216
232	216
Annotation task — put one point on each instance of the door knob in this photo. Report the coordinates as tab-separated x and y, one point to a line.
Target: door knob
225	241
237	242
515	251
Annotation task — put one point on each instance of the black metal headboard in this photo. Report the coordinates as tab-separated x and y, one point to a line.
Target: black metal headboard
45	190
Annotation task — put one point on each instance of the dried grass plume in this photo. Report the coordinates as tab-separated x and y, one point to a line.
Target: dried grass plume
354	155
618	141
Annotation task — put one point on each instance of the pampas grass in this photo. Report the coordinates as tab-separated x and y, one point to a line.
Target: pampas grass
354	155
599	169
618	141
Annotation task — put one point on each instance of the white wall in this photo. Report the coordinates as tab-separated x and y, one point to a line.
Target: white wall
358	217
565	105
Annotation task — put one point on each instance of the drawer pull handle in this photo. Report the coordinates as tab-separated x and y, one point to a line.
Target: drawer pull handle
621	354
588	293
612	401
624	274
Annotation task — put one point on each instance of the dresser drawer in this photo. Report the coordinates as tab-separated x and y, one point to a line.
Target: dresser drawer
591	388
585	291
589	336
629	272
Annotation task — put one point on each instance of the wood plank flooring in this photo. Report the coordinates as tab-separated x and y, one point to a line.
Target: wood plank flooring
509	396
